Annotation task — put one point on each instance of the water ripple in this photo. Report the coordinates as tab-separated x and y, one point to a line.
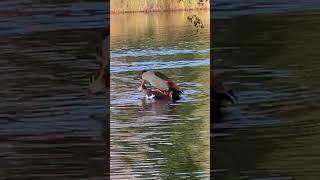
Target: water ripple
149	52
117	67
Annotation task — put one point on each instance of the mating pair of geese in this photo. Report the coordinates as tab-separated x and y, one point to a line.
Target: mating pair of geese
163	87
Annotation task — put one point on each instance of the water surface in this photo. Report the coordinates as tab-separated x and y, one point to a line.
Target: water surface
271	60
159	140
49	127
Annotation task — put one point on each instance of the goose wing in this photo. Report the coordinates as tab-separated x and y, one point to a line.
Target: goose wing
158	80
171	84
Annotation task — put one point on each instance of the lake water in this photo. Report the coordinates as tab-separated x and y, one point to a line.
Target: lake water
159	140
268	53
49	127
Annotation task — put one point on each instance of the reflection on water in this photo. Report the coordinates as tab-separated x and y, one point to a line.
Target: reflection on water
162	139
49	127
272	62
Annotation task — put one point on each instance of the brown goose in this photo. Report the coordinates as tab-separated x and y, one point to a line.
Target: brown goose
220	93
100	81
220	96
155	94
162	83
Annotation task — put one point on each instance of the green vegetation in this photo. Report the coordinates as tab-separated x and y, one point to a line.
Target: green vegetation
123	6
196	21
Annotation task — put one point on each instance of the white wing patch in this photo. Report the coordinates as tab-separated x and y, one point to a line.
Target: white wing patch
150	97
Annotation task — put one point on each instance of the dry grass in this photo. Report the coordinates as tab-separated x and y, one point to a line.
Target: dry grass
127	6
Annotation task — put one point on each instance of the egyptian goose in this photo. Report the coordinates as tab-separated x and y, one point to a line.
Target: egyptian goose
162	83
220	93
220	96
100	81
155	94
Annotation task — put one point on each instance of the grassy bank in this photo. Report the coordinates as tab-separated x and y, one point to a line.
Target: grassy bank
126	6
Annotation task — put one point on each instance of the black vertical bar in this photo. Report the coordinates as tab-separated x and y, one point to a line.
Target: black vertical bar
212	115
107	70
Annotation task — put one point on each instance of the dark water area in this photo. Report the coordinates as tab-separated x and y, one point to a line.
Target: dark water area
29	16
271	60
159	139
233	8
50	128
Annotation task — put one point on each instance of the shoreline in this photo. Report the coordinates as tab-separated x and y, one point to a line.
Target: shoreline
149	6
113	12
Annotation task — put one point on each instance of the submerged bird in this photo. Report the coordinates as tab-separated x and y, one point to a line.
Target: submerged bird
155	94
164	85
100	81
